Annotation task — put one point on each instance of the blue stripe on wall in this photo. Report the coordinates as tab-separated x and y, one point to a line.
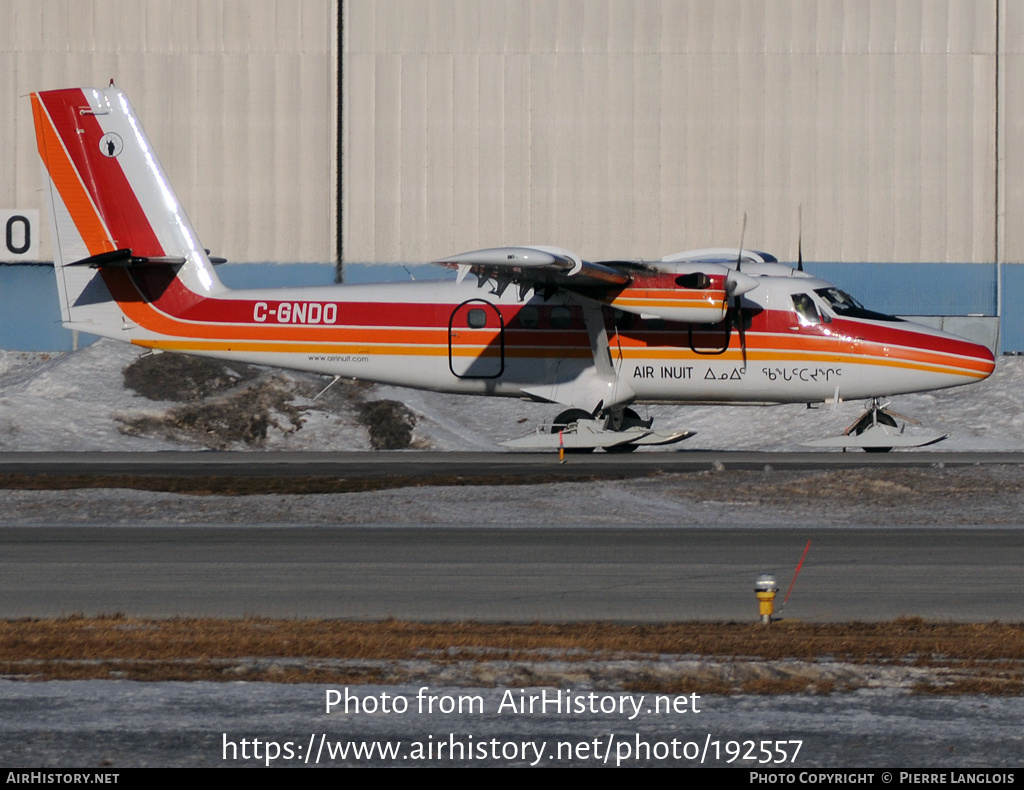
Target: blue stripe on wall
29	311
916	288
1011	326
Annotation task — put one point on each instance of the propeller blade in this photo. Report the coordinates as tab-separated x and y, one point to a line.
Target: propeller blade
738	299
743	232
737	306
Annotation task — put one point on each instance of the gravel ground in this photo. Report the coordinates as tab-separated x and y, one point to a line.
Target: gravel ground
971	496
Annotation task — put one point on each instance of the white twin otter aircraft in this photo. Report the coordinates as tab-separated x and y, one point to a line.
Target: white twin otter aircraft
711	326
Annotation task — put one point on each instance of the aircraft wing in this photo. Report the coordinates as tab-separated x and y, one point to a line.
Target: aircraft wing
691	291
531	267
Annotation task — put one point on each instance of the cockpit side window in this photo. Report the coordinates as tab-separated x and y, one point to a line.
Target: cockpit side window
806	309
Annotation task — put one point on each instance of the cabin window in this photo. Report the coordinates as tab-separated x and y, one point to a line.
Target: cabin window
696	281
710	338
528	317
561	317
476	318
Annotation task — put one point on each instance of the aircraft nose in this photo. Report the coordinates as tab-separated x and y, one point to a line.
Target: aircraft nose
976	360
958	360
986	360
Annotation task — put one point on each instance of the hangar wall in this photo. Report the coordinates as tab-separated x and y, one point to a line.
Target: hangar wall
1010	186
616	128
239	98
625	129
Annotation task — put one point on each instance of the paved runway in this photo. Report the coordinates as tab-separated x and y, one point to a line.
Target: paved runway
512	574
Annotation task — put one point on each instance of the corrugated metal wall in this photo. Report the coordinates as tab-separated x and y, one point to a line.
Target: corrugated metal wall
1011	135
638	128
615	127
239	98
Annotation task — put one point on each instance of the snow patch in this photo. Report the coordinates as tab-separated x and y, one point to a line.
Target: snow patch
78	402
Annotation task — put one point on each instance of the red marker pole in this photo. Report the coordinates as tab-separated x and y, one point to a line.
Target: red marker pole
561	449
799	565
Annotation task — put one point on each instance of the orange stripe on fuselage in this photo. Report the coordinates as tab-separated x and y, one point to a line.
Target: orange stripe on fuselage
959	366
443	351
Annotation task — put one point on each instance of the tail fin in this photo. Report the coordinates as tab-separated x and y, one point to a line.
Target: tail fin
110	204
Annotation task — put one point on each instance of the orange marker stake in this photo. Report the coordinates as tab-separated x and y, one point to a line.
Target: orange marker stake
799	565
561	449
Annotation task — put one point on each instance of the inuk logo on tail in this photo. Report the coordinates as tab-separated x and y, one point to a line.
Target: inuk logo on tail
111	144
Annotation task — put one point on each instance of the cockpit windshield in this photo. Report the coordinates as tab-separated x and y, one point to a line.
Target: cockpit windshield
845	306
839	300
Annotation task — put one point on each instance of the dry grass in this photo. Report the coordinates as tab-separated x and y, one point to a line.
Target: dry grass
975	658
186	638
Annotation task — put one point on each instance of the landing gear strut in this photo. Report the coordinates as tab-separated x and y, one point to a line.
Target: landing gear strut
626	420
875	416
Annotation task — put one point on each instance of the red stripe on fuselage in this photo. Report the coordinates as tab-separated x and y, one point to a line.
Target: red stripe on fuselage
210	317
233	319
900	334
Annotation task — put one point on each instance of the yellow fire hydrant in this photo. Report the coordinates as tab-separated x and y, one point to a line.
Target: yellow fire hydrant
766	589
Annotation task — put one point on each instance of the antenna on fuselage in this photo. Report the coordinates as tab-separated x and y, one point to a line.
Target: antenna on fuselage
800	237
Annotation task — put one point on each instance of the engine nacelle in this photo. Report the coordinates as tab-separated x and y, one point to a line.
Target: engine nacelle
697	294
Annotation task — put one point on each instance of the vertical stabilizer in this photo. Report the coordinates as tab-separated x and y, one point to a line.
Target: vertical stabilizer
108	192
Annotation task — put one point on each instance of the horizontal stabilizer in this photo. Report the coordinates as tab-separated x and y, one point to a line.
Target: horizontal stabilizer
123	259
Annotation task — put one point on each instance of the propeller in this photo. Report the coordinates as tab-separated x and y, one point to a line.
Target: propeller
737	301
